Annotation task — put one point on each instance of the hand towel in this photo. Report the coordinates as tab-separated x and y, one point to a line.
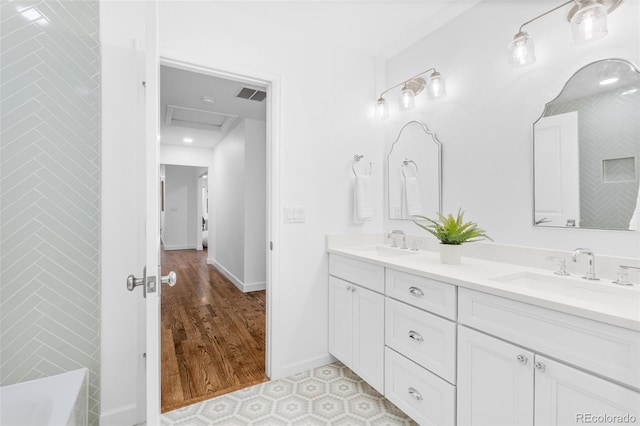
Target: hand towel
634	223
363	199
412	195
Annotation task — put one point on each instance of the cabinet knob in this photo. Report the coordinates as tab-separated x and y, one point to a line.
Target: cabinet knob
416	336
416	291
348	288
522	359
415	394
353	289
540	367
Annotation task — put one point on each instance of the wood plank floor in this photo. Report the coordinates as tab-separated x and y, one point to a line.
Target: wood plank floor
213	335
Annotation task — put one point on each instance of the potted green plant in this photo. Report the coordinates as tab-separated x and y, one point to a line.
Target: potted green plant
452	232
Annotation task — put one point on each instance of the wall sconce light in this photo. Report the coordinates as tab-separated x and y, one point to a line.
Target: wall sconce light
588	20
435	85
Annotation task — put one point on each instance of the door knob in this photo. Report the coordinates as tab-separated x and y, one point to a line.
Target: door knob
170	279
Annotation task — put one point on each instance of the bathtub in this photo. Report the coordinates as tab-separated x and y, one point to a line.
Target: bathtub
60	400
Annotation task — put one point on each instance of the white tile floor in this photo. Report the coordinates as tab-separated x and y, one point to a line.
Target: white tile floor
329	395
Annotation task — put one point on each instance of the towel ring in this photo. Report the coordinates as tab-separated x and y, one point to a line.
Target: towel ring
405	163
357	158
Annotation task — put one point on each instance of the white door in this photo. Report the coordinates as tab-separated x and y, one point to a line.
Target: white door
147	177
556	173
566	396
368	336
495	381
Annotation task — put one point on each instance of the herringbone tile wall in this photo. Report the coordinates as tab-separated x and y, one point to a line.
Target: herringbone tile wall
609	129
49	191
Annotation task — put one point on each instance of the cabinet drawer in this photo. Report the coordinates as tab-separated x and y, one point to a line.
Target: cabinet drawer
610	351
422	337
361	273
425	397
424	293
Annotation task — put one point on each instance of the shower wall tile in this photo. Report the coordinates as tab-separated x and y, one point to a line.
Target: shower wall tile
50	191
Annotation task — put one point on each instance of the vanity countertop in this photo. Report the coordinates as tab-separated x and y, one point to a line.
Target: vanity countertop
596	300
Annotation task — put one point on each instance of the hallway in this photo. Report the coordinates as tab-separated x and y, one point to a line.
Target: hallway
213	335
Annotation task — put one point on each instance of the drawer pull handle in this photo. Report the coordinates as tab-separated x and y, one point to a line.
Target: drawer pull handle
415	336
416	291
415	394
540	367
522	359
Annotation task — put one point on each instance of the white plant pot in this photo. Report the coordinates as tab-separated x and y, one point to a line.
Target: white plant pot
450	253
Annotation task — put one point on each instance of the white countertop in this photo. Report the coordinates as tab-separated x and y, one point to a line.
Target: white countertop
600	300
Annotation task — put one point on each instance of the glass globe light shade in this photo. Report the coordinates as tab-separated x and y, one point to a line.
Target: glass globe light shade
521	50
407	98
436	87
382	110
589	22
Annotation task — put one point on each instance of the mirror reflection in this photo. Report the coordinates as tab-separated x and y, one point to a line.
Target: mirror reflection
414	173
587	150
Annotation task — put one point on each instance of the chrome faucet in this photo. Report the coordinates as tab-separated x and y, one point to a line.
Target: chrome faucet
623	275
394	242
591	270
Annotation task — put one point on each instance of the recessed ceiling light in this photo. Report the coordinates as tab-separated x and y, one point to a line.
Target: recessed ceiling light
208	100
630	91
204	176
187	140
608	81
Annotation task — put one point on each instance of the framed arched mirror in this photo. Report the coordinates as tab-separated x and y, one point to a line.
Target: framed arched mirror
414	173
586	150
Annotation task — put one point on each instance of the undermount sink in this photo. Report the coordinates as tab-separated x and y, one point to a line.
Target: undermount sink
598	292
383	251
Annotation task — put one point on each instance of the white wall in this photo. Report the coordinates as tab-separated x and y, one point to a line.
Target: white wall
255	202
181	207
485	122
325	102
226	205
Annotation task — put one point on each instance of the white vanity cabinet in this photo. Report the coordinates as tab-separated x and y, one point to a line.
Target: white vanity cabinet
495	381
420	335
356	323
449	355
501	383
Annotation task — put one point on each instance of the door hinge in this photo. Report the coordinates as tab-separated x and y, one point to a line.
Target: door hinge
270	245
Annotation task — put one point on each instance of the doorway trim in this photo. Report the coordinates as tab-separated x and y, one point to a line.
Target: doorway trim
216	68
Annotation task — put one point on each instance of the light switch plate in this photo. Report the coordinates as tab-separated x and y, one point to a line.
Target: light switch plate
294	214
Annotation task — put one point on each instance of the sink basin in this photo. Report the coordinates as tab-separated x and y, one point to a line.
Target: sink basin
383	251
594	292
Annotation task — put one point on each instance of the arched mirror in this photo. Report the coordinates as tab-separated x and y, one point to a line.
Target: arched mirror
414	173
587	150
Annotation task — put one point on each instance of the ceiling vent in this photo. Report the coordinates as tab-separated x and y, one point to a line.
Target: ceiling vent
251	94
198	118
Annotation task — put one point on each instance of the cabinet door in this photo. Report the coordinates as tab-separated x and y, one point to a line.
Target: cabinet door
566	396
368	336
340	319
495	381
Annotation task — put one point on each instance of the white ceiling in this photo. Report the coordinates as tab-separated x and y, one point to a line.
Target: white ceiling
185	89
378	28
372	27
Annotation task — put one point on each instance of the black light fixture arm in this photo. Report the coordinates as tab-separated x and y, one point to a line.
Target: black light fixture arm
545	14
409	79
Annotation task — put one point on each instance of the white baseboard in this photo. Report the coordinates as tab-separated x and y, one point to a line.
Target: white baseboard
261	285
121	416
180	247
299	367
245	288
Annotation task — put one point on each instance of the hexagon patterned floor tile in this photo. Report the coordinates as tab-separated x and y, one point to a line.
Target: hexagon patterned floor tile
329	395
